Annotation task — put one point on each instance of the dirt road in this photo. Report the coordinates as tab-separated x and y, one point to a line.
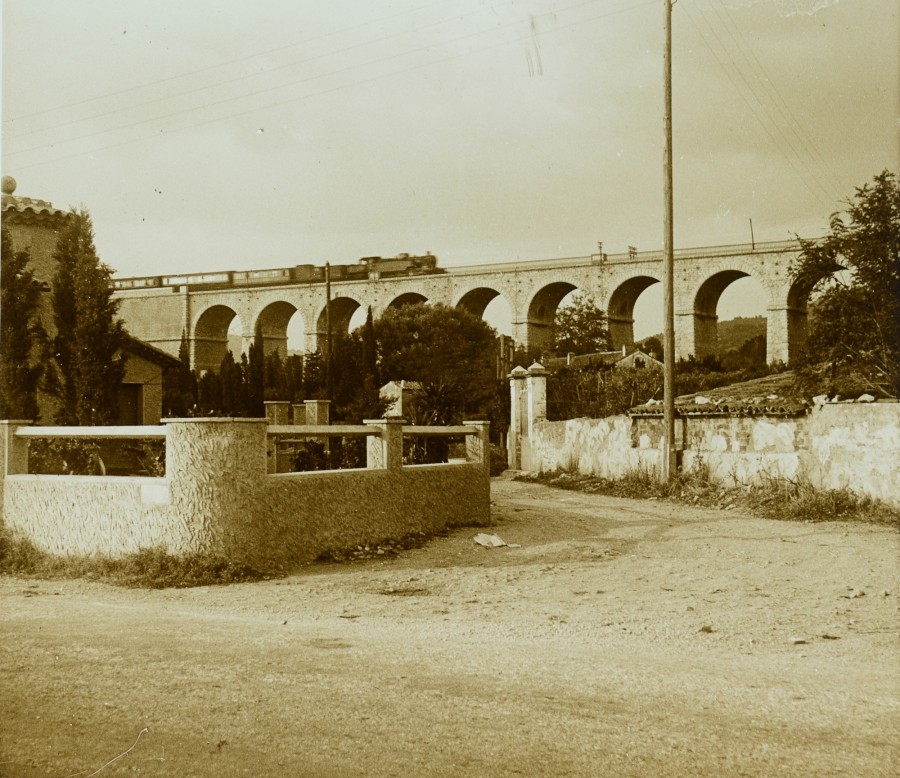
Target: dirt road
620	638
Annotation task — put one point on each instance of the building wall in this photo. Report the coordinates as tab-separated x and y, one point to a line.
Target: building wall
141	371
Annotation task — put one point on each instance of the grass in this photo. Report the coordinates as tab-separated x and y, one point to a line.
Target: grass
774	498
150	568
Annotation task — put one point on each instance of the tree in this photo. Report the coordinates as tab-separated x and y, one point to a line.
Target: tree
21	334
255	379
86	358
449	350
179	394
581	327
857	321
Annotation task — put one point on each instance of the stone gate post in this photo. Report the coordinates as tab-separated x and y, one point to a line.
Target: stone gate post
518	415
537	395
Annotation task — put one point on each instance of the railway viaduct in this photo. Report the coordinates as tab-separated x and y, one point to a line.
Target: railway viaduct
203	306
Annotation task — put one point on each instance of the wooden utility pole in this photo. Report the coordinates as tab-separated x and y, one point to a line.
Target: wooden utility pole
329	385
670	464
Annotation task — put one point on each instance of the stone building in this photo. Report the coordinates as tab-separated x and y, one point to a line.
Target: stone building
34	225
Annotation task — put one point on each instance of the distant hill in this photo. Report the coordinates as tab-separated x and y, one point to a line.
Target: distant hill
734	333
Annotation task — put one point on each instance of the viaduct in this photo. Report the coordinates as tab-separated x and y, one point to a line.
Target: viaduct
159	309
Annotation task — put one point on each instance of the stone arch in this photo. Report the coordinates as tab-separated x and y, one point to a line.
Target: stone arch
542	312
210	337
705	316
489	305
797	309
342	310
620	309
476	300
272	325
407	298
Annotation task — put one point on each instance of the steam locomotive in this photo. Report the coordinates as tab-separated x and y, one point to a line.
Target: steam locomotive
367	268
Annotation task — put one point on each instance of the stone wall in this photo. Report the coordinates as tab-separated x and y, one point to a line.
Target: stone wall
217	497
834	446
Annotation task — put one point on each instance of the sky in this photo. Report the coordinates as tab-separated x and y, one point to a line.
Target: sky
235	135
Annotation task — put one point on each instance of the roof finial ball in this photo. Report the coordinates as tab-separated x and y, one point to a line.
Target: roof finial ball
8	185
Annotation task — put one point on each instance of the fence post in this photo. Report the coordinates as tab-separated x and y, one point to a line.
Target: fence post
537	395
14	451
385	451
518	414
317	411
478	446
299	415
277	411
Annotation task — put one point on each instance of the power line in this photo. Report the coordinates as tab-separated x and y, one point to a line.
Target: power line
791	153
321	92
218	65
234	80
779	103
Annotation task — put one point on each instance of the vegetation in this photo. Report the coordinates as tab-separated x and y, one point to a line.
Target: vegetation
449	351
21	334
580	327
773	498
85	360
599	391
149	568
179	391
855	321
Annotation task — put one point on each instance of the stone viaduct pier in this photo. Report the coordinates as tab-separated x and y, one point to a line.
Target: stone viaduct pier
158	309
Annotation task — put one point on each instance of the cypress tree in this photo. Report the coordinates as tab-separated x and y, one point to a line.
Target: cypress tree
86	360
21	334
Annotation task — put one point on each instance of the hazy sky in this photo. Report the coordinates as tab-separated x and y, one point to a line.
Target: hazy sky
214	135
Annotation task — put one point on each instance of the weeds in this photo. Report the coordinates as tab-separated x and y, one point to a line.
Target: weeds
774	498
150	568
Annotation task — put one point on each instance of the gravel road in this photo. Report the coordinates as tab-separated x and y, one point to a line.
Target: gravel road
609	638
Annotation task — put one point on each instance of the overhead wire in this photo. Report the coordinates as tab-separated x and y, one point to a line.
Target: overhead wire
790	153
227	63
767	83
308	96
236	79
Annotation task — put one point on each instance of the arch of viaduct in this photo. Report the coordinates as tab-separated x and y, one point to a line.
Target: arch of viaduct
532	290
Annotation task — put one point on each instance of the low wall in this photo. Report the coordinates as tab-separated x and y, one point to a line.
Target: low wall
218	497
855	446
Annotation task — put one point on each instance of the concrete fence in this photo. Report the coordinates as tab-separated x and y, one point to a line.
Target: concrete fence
831	446
219	495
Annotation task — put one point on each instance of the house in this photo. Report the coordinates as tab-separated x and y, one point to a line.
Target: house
34	225
636	358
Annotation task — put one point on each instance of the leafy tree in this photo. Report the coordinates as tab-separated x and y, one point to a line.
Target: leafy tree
581	327
86	359
450	351
21	334
652	346
857	322
750	356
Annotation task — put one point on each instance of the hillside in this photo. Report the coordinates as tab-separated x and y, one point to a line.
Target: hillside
734	332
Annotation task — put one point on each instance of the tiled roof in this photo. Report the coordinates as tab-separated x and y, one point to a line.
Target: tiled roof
27	207
30	206
773	395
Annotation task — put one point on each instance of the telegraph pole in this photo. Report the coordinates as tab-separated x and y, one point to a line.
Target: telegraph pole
329	385
670	463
